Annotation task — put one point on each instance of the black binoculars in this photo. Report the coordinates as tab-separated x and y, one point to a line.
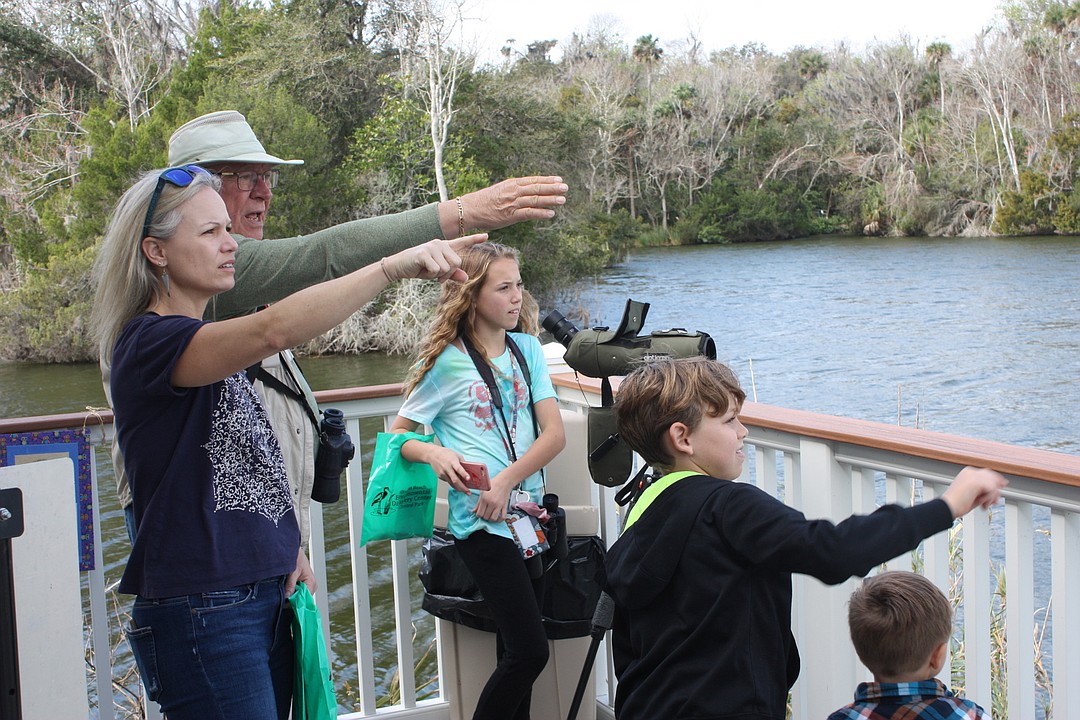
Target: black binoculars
335	451
555	528
555	533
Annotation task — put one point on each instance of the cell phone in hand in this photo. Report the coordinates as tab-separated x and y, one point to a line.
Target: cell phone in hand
478	475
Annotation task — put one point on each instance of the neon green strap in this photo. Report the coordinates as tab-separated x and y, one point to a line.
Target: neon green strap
652	492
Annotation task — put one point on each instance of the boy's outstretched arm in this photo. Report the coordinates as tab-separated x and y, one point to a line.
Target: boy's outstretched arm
972	488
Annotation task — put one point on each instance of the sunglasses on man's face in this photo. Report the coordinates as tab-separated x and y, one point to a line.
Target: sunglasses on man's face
175	176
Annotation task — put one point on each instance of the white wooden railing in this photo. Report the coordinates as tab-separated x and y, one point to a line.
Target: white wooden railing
827	467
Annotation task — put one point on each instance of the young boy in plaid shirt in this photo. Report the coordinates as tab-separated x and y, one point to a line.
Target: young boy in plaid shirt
900	625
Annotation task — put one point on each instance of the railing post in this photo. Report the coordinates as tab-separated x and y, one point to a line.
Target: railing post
898	491
1019	609
937	569
1065	540
978	606
399	553
99	615
317	557
365	651
824	492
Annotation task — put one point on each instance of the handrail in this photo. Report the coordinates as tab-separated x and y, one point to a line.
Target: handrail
105	415
1007	459
34	423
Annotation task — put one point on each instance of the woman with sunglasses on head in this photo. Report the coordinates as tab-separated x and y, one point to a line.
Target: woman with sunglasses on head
218	546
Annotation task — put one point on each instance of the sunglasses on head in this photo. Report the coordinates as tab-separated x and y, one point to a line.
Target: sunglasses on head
175	176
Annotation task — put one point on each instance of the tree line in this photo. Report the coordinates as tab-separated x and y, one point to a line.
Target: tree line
660	143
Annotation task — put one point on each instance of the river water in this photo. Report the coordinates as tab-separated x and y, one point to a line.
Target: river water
971	336
977	337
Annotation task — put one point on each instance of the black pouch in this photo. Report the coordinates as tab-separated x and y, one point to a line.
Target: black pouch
572	588
449	590
611	462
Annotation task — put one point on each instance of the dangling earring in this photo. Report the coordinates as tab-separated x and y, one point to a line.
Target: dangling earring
165	279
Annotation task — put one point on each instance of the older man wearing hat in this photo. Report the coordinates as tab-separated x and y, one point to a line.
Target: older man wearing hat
268	270
225	144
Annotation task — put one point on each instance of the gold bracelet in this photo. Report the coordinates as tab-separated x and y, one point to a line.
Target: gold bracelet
460	218
382	264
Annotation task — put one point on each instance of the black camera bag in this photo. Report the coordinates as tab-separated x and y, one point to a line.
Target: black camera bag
571	587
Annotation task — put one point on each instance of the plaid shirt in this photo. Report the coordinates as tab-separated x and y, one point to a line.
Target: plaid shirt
926	700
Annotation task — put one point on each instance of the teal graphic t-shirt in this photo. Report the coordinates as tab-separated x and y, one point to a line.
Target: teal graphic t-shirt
454	400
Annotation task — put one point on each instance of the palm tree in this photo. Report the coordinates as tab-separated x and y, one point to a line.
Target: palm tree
811	65
936	52
647	51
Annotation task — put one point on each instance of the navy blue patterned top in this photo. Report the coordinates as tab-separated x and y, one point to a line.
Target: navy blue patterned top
212	503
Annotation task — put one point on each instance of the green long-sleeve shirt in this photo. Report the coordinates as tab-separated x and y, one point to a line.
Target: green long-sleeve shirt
268	270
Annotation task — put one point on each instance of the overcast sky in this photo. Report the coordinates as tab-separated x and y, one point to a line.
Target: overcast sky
778	24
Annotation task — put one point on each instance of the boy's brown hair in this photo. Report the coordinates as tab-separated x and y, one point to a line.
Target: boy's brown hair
656	395
897	620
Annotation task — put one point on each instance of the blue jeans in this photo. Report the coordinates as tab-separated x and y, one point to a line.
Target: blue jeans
219	655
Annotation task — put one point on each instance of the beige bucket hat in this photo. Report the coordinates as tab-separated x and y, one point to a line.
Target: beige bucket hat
219	137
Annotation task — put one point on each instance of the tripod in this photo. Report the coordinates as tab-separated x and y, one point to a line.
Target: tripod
603	616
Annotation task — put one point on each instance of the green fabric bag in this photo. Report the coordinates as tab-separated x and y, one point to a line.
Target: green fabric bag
400	501
313	685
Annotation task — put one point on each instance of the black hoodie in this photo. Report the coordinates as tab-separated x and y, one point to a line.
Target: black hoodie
702	590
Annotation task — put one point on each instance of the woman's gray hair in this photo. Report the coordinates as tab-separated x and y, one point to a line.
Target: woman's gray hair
127	283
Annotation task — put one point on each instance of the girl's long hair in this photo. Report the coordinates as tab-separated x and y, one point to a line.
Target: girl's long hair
455	314
127	282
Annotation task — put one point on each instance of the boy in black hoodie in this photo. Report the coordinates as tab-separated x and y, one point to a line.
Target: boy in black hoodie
701	576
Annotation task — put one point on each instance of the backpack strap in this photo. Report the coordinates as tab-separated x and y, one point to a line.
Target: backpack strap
307	399
258	372
487	374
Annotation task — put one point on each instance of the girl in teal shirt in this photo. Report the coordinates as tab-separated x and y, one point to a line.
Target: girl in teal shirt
446	391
